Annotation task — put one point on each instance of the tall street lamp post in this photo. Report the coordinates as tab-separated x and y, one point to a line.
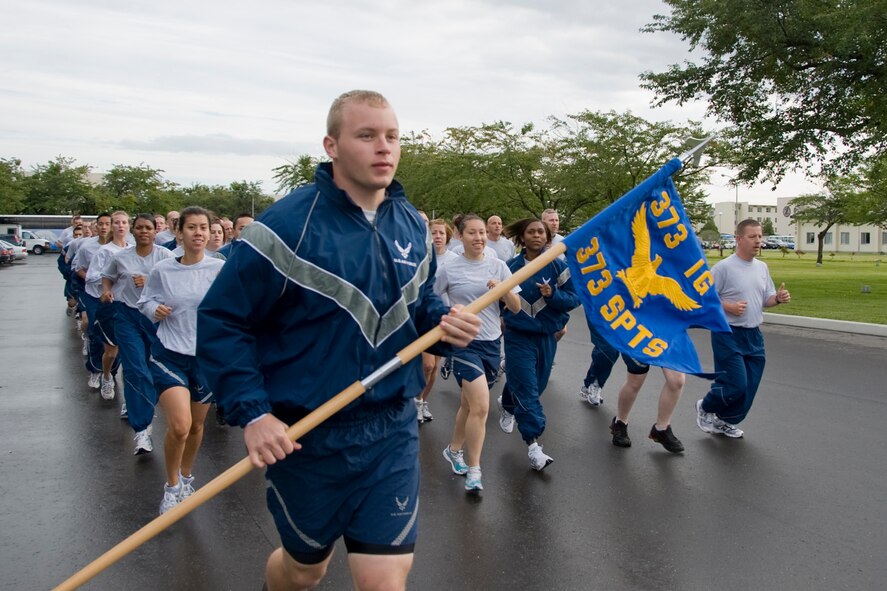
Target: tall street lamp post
736	199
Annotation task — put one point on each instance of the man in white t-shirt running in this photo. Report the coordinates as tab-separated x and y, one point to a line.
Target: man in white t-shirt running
745	289
503	246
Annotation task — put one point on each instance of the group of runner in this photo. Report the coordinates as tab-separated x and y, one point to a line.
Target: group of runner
134	292
473	257
339	277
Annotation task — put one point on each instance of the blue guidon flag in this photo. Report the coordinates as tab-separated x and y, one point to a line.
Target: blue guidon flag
642	276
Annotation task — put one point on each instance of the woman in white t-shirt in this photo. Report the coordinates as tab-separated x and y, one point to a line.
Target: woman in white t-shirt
440	236
463	280
174	289
122	281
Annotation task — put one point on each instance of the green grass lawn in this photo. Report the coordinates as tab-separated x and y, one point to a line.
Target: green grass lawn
833	290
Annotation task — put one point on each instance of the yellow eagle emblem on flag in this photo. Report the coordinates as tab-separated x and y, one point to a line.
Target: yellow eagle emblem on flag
641	278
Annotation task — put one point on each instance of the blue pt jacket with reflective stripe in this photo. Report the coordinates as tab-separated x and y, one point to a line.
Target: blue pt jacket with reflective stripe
539	314
314	298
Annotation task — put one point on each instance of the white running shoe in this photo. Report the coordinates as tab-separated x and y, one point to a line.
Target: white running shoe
426	414
187	486
538	460
721	426
419	416
143	442
171	496
95	380
123	414
591	394
456	460
472	480
704	419
107	391
506	419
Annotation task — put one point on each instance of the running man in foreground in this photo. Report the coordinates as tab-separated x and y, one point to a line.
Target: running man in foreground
327	285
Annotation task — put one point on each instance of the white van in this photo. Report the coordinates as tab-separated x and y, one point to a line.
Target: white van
35	243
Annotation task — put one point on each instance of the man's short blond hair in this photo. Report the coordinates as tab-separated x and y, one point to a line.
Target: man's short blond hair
334	118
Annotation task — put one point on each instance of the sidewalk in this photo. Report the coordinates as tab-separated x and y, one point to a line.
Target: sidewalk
863	328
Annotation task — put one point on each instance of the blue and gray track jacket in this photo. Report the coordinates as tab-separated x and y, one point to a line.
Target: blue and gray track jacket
315	298
538	314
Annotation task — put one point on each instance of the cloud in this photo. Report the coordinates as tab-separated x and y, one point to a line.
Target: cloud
210	89
214	144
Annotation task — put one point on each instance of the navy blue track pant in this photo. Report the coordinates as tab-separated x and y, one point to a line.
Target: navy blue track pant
528	359
135	336
740	355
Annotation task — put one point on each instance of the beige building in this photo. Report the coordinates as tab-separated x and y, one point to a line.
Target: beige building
729	213
840	237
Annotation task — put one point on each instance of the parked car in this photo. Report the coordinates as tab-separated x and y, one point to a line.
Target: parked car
36	243
776	244
7	255
19	251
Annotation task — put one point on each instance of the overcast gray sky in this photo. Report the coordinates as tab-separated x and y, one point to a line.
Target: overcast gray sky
214	92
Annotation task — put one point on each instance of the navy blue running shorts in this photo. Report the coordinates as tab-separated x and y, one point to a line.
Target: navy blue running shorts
477	359
357	476
633	366
105	315
170	369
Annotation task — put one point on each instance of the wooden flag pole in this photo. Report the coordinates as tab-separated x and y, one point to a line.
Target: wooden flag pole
299	429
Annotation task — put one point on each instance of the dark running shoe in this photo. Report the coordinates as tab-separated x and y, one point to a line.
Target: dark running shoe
620	433
666	439
220	416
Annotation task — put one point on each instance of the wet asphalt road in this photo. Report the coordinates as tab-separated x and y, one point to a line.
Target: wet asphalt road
798	504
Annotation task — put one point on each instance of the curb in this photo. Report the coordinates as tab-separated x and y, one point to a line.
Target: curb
878	330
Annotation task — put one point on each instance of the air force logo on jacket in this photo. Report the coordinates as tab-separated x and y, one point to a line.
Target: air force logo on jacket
404	254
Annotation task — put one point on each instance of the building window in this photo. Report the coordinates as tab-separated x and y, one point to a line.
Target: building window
865	238
811	237
845	237
828	238
883	237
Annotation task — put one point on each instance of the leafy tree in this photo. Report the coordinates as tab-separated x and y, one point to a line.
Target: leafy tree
487	169
213	197
828	208
605	155
137	189
802	82
293	175
59	187
709	231
247	197
238	197
767	227
871	207
12	186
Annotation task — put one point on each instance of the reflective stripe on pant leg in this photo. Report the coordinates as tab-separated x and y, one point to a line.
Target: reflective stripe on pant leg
134	341
522	362
726	397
